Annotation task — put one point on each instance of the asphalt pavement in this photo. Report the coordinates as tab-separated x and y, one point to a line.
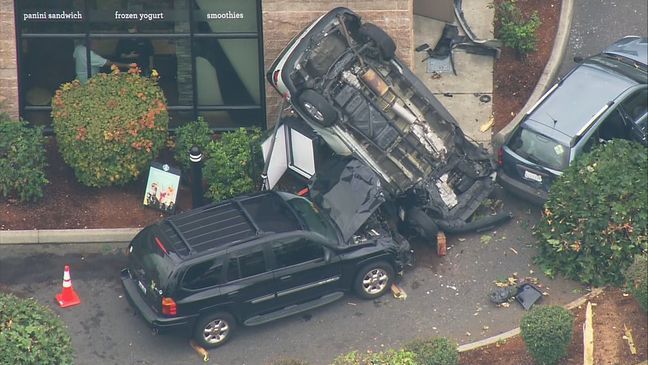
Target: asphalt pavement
446	296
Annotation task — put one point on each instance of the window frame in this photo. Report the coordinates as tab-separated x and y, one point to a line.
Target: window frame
192	34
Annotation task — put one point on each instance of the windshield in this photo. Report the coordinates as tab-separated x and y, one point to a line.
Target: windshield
540	149
310	215
149	259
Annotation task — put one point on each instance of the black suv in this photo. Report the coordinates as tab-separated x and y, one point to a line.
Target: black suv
264	256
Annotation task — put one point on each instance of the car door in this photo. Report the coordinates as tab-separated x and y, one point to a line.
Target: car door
304	270
249	284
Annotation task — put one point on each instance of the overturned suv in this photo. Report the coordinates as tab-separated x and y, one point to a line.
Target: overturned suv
264	256
341	77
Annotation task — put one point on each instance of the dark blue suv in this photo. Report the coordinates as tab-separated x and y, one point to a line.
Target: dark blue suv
603	98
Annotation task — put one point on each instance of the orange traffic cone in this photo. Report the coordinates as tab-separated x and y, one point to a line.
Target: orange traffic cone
68	297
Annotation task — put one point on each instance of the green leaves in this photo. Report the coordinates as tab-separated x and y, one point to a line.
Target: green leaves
22	160
516	30
234	164
193	133
547	332
110	129
31	334
595	220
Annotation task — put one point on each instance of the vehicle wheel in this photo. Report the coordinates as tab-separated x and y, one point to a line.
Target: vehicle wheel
318	107
421	223
374	280
215	329
383	41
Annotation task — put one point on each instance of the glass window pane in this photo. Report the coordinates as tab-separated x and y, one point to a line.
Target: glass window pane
252	264
37	117
138	16
45	65
203	275
46	16
227	71
296	252
226	16
179	118
222	119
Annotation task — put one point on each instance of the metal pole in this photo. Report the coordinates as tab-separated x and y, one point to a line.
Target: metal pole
195	156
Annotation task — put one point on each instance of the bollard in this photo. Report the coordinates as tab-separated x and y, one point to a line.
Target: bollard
195	156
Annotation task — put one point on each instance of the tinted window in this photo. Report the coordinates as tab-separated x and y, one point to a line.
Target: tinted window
312	217
540	149
636	105
243	265
203	275
296	252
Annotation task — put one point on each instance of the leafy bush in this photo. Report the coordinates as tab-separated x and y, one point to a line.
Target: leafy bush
637	280
596	218
22	160
389	357
515	30
234	164
31	333
547	332
434	351
196	133
110	128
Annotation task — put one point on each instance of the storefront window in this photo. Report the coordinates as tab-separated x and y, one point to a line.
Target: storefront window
210	67
225	16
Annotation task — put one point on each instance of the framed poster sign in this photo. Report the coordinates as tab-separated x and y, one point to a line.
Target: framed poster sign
162	187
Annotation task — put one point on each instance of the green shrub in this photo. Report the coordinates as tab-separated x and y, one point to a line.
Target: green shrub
196	133
22	160
234	164
31	333
596	218
515	30
637	280
547	332
434	351
389	357
110	128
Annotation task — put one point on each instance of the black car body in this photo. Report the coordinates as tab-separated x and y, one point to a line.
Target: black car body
264	256
342	78
603	98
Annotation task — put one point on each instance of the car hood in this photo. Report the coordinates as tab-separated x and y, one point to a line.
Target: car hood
349	192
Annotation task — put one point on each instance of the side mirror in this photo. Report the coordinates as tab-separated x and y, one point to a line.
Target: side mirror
578	59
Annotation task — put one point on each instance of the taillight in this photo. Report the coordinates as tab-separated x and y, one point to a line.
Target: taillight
275	77
500	156
161	246
169	306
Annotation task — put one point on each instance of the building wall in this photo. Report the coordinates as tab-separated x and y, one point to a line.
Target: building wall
8	67
283	19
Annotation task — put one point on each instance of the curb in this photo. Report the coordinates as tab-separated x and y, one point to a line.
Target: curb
516	331
47	236
548	74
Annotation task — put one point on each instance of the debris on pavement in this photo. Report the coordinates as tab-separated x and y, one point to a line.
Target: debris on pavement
628	337
201	351
514	250
398	292
486	126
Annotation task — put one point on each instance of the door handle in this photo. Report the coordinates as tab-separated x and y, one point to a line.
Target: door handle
285	277
232	293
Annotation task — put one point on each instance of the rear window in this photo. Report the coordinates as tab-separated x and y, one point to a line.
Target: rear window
540	149
148	256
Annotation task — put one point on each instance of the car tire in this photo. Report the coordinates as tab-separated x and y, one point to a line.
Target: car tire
374	280
214	330
317	107
383	41
421	223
